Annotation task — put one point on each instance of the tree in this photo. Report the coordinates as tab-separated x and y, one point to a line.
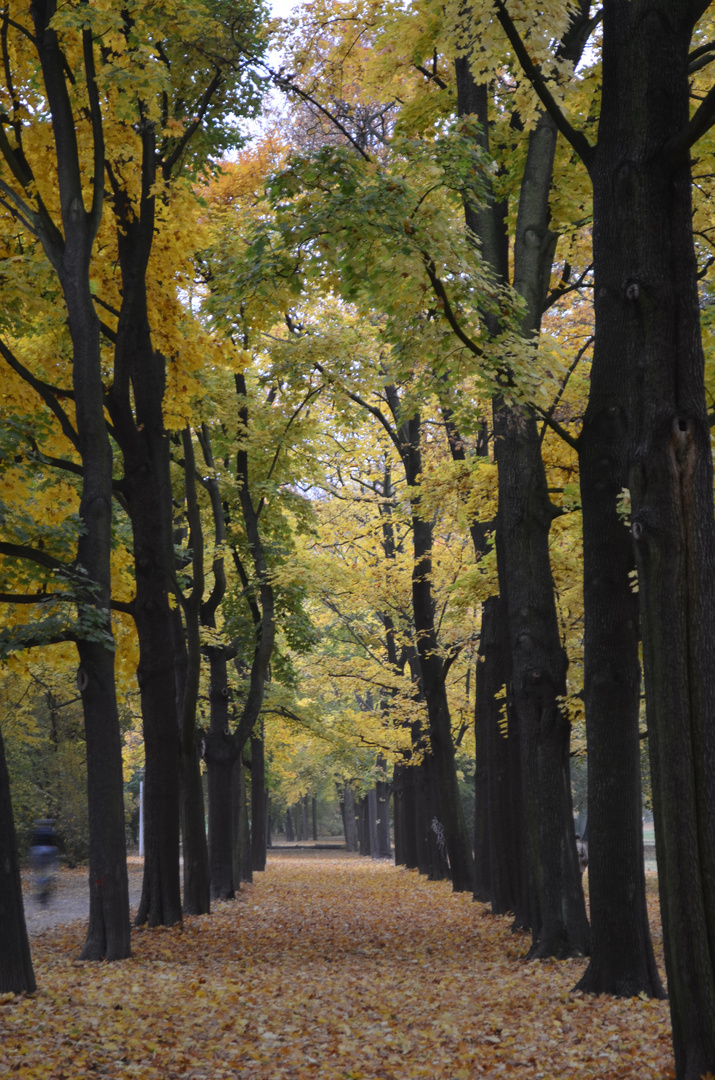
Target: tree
648	393
66	230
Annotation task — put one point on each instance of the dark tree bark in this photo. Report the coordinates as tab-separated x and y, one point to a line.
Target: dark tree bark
258	802
16	972
648	372
648	361
222	747
290	835
382	795
351	832
220	753
371	807
398	812
196	900
241	832
622	960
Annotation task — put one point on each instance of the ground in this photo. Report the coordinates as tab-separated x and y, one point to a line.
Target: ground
70	899
330	967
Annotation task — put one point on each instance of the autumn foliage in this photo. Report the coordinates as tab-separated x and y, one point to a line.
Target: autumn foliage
333	967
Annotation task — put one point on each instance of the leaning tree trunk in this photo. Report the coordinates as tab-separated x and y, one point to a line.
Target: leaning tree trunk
649	361
16	973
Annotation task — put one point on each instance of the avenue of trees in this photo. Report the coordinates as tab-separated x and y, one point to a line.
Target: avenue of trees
355	431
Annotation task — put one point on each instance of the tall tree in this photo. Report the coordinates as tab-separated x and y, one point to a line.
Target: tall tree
66	230
648	389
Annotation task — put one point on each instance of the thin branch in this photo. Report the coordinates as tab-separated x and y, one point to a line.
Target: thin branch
431	76
35	598
562	389
47	393
449	661
373	410
441	294
567	437
564	288
287	85
701	51
188	134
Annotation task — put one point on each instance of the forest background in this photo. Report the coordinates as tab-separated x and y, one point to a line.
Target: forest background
308	437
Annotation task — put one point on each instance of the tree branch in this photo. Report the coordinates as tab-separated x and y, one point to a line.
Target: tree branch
287	85
187	135
700	122
24	551
562	389
441	294
95	113
576	138
47	393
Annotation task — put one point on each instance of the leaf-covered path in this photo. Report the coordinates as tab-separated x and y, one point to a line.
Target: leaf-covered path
335	968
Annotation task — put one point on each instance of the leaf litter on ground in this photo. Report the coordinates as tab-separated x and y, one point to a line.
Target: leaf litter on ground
337	968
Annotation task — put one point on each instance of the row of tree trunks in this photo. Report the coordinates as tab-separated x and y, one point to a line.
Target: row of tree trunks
422	843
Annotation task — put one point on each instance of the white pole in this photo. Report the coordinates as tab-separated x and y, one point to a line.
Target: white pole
141	819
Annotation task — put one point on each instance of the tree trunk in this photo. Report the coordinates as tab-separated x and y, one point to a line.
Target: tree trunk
434	854
371	806
290	835
649	361
506	871
16	973
351	832
187	675
622	961
382	793
135	403
398	811
243	862
431	666
537	660
314	815
220	754
258	803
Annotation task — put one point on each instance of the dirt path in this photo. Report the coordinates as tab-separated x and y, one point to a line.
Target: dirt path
70	901
329	967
